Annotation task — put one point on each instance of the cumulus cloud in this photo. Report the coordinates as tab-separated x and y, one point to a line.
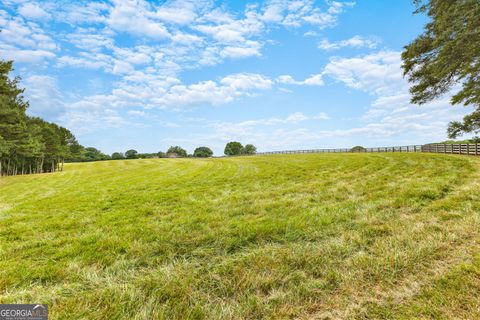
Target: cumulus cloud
378	72
313	80
133	17
297	13
246	130
391	112
44	97
33	11
24	42
354	42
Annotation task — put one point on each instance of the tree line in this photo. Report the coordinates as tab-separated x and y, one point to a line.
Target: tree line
232	148
29	144
32	145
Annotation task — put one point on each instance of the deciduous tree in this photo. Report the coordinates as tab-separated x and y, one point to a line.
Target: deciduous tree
233	148
447	55
203	152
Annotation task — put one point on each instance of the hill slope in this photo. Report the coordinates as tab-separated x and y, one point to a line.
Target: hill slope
307	236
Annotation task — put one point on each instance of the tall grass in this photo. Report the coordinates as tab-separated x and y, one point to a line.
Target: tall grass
292	236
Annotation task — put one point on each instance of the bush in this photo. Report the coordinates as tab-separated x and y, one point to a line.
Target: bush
161	154
203	152
92	154
131	154
117	156
176	152
233	148
358	149
250	149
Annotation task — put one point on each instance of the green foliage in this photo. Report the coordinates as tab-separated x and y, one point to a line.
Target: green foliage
176	152
266	237
473	140
447	54
203	152
131	154
147	155
3	147
471	123
118	156
250	149
358	149
161	154
29	144
233	148
93	154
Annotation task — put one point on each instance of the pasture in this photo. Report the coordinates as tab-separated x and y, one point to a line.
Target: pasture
314	236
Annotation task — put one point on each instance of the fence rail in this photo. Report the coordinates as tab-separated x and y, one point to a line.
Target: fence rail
411	148
465	149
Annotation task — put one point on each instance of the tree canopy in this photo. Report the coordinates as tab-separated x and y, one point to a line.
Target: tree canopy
29	144
203	152
131	154
445	55
118	156
250	149
176	151
358	149
233	148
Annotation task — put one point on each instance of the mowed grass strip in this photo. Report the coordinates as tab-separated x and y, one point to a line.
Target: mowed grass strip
288	236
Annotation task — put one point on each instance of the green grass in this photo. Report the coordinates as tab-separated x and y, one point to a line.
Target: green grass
319	236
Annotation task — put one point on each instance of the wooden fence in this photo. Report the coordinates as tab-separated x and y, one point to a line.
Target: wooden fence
412	148
466	149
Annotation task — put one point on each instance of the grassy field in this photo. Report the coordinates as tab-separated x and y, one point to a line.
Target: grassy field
319	236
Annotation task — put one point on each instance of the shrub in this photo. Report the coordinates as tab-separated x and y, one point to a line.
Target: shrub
250	149
233	148
131	154
358	149
117	156
203	152
176	152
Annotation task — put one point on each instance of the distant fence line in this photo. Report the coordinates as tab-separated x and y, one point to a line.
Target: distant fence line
412	148
466	149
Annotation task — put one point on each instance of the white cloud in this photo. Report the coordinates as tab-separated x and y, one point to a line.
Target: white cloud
136	113
76	13
391	113
321	116
354	42
180	12
32	11
378	72
185	38
293	118
44	96
252	48
132	16
84	121
246	81
150	91
89	40
24	42
24	55
89	62
300	12
313	80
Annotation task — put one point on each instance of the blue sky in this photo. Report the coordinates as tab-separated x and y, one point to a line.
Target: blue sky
279	74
